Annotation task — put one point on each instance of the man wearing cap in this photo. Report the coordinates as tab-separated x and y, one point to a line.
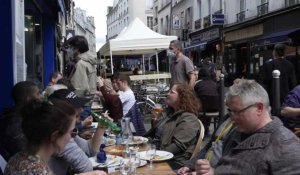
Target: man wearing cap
76	153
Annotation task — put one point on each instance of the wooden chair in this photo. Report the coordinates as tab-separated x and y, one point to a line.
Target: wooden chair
297	131
200	139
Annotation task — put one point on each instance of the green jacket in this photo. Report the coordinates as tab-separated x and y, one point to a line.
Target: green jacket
85	77
180	136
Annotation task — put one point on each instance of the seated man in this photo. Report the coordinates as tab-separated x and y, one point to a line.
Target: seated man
259	143
129	104
290	110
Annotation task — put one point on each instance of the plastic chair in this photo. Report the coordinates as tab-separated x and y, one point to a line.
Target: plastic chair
200	139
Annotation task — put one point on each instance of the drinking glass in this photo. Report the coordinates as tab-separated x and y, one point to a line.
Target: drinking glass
136	163
158	108
151	153
125	166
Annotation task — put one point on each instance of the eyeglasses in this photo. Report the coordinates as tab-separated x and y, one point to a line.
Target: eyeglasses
230	112
74	132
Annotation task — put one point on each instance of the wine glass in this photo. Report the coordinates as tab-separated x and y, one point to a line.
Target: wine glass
151	153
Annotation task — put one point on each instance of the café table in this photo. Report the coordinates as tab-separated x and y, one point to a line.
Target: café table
158	167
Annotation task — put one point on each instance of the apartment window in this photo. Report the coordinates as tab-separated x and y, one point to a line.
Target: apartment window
168	23
161	25
263	8
150	22
149	4
242	5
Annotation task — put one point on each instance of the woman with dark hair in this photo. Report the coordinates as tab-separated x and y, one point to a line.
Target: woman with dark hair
178	131
47	128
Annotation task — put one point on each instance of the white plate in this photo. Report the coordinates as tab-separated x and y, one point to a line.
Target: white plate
137	140
110	162
159	156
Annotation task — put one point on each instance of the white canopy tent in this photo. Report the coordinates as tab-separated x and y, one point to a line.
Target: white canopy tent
136	39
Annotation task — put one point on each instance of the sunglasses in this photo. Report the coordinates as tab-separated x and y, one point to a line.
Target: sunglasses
74	132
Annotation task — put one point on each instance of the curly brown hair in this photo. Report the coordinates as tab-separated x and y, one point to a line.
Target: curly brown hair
188	100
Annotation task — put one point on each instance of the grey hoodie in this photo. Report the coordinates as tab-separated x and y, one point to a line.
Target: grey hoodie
85	76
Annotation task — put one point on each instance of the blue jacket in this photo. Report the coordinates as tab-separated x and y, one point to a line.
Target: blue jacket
137	120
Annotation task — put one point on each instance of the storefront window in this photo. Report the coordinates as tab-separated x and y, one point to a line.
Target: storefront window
33	45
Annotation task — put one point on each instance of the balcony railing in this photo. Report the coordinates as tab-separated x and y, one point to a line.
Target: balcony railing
263	9
206	21
240	17
198	24
291	2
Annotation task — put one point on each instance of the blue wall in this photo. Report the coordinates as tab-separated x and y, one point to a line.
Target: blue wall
6	59
49	47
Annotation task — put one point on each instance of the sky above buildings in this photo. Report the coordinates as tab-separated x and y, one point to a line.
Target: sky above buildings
98	9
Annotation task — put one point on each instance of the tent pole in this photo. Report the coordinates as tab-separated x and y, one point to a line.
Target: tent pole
157	69
111	63
149	60
143	63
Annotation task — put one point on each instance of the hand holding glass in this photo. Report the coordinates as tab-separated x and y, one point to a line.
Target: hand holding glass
158	108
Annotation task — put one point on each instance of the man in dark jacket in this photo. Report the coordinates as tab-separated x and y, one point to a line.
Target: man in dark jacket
287	73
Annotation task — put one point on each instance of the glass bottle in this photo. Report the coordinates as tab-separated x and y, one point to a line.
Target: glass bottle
127	133
106	123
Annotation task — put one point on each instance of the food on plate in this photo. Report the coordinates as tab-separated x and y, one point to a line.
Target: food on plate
111	141
137	139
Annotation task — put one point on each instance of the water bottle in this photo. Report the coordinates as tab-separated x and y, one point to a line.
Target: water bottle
106	123
127	133
118	139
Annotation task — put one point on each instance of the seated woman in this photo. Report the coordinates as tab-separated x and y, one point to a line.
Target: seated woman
178	131
47	128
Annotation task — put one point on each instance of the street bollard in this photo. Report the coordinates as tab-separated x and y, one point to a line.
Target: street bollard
276	93
222	96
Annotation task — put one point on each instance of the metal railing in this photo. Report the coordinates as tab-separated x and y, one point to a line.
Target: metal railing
263	9
240	17
206	21
291	2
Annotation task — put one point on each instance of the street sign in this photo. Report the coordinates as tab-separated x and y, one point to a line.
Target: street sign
218	19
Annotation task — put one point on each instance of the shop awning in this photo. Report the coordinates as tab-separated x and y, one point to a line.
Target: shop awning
295	36
273	38
197	46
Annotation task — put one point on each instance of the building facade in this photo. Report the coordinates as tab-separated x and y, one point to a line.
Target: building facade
253	28
85	26
124	11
